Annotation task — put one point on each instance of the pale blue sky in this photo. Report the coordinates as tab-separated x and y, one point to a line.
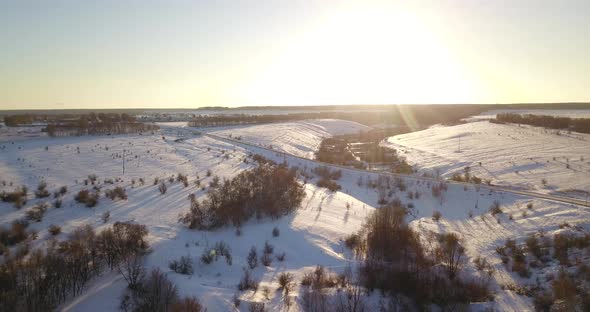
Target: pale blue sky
69	54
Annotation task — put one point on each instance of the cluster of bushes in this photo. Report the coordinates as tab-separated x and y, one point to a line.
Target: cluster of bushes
46	278
569	291
327	177
396	261
155	292
61	192
366	147
267	190
220	249
18	196
466	177
247	282
317	295
117	192
36	212
88	198
42	191
182	178
327	173
334	151
184	265
438	189
551	122
16	233
329	184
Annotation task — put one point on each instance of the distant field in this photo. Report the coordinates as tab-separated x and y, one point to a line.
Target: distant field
573	113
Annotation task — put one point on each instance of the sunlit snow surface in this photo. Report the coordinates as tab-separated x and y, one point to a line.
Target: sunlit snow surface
313	234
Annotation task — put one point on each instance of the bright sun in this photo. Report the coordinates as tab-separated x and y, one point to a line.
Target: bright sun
363	55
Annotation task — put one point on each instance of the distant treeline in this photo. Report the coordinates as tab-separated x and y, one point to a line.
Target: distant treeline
17	120
98	124
411	115
552	122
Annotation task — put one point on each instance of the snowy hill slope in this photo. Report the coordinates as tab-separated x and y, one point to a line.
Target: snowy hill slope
522	156
301	138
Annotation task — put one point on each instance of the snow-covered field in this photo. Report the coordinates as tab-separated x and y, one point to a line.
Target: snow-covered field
312	235
519	156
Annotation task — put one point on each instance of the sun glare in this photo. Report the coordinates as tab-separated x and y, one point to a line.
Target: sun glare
363	55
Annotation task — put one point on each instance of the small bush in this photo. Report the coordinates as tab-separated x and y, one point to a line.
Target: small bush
162	188
18	197
521	268
42	191
182	266
529	206
90	199
57	203
252	258
281	256
564	287
208	255
187	304
62	191
54	229
326	173
543	301
214	182
533	246
247	282
352	241
182	178
268	248
495	208
266	259
15	234
36	213
285	280
329	184
257	307
436	215
220	249
105	217
275	232
92	178
117	192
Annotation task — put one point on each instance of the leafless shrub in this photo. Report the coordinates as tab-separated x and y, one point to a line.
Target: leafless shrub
54	229
162	188
248	282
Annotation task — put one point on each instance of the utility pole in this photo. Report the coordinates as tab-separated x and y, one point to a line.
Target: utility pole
123	162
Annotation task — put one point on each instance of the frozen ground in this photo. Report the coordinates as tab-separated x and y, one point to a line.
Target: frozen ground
309	237
520	156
